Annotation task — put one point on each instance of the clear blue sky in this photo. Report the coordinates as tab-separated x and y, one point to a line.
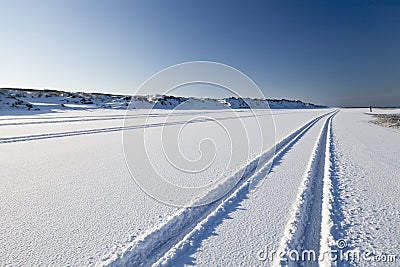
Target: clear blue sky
344	53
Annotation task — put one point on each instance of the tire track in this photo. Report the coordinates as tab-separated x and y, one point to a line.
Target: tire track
163	243
327	240
39	116
33	137
308	231
25	138
72	119
77	119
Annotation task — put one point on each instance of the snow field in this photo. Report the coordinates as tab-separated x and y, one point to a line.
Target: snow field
189	222
69	199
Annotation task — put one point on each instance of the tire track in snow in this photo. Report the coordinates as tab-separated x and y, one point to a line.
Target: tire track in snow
72	119
309	229
34	137
162	243
41	117
120	117
191	242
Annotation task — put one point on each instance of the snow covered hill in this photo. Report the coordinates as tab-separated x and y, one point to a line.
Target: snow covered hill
31	99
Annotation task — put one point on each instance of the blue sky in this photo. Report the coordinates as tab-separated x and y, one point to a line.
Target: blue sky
342	53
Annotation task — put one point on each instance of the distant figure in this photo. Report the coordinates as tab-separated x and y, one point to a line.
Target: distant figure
370	109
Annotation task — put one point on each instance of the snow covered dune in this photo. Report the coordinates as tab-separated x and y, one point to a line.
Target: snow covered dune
43	101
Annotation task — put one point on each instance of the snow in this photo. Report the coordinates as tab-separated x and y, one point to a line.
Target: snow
268	206
15	101
368	190
68	198
357	209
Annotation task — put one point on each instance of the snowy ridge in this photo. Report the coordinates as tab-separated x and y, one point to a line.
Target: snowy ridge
161	244
310	224
50	100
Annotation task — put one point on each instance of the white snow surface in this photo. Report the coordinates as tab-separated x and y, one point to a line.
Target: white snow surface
67	197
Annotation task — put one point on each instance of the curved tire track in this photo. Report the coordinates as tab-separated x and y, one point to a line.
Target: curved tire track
161	244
